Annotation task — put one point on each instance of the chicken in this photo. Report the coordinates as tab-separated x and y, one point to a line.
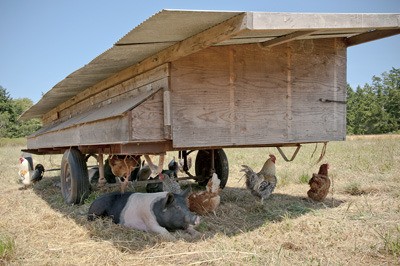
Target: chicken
174	166
263	183
181	164
27	175
122	166
206	201
319	184
144	173
169	183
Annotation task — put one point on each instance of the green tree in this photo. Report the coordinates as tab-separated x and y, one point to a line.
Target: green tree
5	111
389	84
374	109
10	110
351	112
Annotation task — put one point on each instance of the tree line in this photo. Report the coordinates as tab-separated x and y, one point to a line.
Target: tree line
10	111
375	108
371	109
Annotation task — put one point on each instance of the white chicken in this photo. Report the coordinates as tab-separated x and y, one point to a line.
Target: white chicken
27	175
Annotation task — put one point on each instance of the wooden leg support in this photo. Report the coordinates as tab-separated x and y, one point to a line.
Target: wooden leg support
155	170
102	179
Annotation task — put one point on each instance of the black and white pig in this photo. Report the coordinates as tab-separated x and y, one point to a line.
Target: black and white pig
150	212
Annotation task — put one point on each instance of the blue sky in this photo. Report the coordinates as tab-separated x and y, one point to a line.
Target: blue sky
43	41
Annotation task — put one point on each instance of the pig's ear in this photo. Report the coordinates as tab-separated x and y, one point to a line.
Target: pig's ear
169	199
186	192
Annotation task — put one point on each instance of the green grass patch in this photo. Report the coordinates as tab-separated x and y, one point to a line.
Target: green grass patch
7	247
304	178
391	242
7	142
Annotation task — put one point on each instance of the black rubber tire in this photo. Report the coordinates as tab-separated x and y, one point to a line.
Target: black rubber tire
75	185
203	166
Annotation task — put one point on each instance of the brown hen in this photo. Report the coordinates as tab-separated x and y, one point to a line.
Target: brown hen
319	184
206	201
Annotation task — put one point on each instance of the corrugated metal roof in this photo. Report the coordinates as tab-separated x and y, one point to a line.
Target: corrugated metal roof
169	27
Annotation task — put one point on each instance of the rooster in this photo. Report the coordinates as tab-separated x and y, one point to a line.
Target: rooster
26	174
263	183
206	201
319	184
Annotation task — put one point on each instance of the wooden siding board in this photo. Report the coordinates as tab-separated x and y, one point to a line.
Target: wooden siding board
200	98
247	95
147	120
260	90
315	77
109	131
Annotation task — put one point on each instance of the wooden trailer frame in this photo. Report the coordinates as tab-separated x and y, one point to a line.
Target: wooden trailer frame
207	80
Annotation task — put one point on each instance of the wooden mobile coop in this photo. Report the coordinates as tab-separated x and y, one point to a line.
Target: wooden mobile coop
205	80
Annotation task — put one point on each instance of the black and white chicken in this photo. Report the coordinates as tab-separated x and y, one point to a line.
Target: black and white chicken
28	175
168	184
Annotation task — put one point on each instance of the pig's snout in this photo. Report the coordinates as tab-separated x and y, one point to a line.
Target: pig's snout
192	219
197	220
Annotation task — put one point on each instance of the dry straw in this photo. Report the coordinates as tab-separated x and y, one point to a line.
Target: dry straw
289	229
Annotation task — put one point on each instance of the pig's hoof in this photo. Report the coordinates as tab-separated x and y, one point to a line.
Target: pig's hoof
193	232
168	237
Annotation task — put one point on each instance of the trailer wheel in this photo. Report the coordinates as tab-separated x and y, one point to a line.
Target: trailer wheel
74	177
203	166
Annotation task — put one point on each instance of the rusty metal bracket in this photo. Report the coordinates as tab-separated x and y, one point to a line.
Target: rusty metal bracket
293	156
331	101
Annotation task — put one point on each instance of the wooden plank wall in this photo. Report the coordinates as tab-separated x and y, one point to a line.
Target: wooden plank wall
102	132
142	124
248	95
147	120
93	99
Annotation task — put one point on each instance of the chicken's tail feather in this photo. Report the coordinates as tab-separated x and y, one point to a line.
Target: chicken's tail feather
249	174
246	169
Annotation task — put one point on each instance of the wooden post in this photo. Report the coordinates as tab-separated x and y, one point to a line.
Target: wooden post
102	179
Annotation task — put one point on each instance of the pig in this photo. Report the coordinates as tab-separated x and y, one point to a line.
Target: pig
150	212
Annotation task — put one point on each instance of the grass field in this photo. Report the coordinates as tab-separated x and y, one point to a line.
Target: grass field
357	224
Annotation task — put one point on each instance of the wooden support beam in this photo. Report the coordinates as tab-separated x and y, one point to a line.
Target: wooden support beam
287	38
141	148
371	36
